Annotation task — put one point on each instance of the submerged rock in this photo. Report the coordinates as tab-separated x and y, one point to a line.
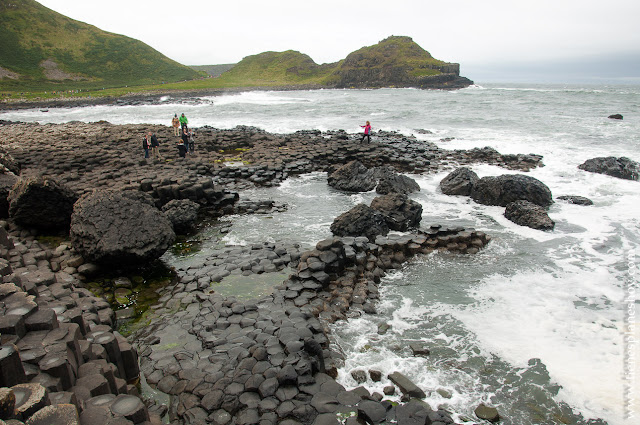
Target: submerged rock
574	199
459	182
107	227
528	214
502	190
615	117
622	168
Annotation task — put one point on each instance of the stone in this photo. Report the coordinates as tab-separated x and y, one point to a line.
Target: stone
360	220
183	214
352	177
459	182
615	116
406	385
397	183
487	413
130	407
622	167
7	403
400	212
576	200
108	228
372	412
412	413
60	414
41	202
29	399
11	369
525	213
502	190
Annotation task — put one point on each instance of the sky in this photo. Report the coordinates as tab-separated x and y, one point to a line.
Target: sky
491	39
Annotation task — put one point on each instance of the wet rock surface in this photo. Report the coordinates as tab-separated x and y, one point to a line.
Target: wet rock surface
459	182
528	214
502	190
220	358
622	167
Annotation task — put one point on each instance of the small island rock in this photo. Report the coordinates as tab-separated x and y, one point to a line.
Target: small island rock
502	190
459	182
622	168
528	214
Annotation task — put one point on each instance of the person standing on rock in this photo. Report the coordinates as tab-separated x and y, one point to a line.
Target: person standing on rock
183	121
175	122
183	145
155	146
367	132
146	145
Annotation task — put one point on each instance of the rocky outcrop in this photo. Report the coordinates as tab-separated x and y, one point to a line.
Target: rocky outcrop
575	199
622	167
392	182
615	116
182	214
360	220
42	203
109	228
352	177
7	181
502	190
528	214
400	212
459	182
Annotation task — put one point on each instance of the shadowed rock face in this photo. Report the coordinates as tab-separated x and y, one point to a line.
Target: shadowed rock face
459	182
622	168
109	228
360	220
42	203
400	212
352	177
502	190
529	214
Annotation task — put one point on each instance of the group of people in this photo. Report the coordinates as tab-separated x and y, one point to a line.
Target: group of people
186	144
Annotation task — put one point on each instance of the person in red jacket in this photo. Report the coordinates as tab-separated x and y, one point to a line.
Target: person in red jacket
367	132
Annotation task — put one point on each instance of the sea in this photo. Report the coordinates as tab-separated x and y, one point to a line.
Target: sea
541	325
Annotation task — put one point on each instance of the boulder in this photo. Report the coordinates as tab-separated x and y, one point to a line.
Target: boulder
108	228
459	182
352	177
41	202
8	162
360	220
528	214
622	168
502	190
615	116
182	213
574	199
7	181
397	183
399	211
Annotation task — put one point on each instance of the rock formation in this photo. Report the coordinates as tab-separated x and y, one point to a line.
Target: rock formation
528	214
400	212
622	168
502	190
459	182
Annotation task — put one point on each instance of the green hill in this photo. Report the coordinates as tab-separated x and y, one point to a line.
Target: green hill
43	49
394	62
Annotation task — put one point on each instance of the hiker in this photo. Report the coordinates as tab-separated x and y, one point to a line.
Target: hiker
155	146
183	121
367	132
175	122
146	145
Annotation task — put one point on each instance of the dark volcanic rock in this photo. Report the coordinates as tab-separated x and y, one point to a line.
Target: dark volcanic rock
459	182
106	227
7	180
41	202
528	214
574	199
399	211
622	168
352	177
8	162
615	117
502	190
360	220
397	183
182	213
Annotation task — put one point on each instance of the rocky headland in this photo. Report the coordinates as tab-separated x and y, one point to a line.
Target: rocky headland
217	359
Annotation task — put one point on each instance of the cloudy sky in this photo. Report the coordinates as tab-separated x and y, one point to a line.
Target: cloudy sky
489	38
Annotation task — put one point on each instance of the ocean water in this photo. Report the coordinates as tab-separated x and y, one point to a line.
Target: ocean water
538	324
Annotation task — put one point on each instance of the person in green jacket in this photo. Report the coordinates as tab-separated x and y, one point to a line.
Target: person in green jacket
183	121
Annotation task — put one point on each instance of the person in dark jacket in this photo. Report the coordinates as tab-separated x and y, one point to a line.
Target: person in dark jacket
155	146
146	145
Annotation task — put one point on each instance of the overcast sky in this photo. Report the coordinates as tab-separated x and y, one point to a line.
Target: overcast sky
482	35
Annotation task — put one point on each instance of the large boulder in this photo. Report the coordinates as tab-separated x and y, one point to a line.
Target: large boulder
182	213
459	182
502	190
622	168
392	182
109	228
7	181
41	202
400	212
360	220
353	177
528	214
